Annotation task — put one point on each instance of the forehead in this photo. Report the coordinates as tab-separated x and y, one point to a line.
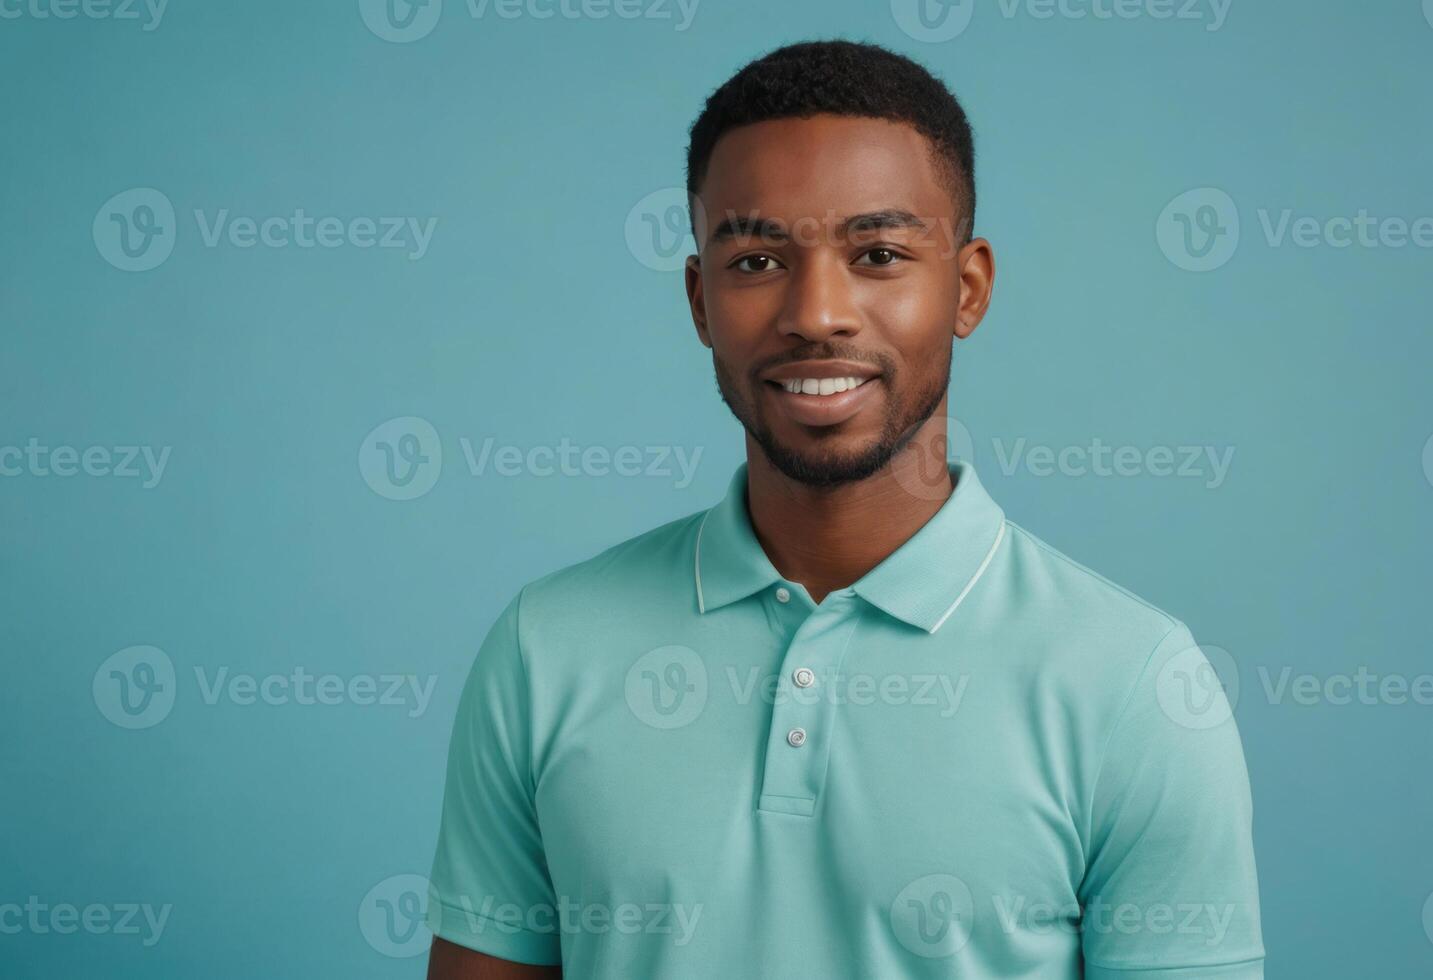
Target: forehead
791	168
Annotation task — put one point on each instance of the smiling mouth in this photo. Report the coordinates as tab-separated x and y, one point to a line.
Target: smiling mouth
822	402
819	386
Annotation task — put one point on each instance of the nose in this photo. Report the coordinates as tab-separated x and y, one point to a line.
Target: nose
819	302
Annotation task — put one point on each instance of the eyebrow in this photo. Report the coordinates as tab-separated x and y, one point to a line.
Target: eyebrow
750	226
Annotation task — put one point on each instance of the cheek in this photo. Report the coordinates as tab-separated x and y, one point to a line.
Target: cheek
919	322
738	321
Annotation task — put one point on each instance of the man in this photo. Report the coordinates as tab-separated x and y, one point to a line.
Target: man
850	721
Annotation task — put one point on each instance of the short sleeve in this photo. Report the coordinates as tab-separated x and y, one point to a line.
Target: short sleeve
1170	890
490	889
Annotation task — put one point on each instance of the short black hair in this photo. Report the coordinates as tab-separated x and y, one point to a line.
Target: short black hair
844	78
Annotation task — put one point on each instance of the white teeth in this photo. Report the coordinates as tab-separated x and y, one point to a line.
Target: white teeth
821	386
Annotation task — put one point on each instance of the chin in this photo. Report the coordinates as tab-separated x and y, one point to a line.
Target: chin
827	466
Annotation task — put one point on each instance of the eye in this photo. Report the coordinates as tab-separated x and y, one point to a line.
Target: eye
758	263
882	256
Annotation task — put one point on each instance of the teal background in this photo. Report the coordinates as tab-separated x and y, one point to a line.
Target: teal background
530	320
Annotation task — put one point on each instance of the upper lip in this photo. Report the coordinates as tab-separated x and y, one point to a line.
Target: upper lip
820	369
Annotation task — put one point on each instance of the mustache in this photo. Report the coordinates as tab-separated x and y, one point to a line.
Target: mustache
827	351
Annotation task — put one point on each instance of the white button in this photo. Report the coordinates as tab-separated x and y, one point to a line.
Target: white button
797	737
804	677
783	594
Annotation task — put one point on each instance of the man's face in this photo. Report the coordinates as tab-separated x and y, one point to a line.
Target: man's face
830	260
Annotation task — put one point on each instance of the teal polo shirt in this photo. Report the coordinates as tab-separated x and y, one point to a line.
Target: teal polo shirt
979	760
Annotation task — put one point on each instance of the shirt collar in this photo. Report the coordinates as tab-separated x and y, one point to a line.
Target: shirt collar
920	583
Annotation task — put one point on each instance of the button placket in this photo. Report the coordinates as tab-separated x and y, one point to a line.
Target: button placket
803	716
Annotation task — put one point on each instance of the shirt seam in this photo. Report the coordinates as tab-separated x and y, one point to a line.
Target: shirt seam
527	702
1114	728
833	714
507	927
1055	553
1183	966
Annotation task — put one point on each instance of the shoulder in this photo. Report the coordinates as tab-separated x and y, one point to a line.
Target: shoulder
651	570
1054	577
1103	632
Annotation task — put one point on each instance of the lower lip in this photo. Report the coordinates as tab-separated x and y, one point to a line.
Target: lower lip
823	410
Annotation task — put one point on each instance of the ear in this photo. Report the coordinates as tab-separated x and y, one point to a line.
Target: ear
695	298
976	262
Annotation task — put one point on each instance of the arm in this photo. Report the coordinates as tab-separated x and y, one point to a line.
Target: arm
449	961
491	899
1170	889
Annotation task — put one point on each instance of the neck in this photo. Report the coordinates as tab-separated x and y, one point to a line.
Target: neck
828	537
